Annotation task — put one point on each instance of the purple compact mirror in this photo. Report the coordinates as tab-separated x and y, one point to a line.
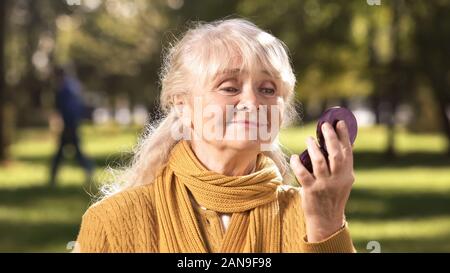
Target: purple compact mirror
332	116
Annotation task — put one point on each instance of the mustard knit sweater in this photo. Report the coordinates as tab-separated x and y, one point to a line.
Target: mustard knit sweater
127	222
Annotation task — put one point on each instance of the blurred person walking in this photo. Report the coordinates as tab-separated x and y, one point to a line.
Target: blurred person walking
70	107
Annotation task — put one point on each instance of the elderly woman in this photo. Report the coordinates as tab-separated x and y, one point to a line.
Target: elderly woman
210	176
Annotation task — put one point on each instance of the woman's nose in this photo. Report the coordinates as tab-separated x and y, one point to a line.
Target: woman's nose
248	99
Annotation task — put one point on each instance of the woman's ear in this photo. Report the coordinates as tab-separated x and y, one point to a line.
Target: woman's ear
179	103
182	109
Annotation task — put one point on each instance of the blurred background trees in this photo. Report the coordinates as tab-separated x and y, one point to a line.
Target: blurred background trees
389	63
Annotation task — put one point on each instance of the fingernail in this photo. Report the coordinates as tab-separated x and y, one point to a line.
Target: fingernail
342	124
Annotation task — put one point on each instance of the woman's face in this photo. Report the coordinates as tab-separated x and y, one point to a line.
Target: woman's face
238	110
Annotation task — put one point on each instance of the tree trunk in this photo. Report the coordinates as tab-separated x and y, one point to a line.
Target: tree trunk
3	152
394	86
374	69
440	91
445	122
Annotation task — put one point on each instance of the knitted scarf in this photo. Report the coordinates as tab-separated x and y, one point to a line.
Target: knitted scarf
252	200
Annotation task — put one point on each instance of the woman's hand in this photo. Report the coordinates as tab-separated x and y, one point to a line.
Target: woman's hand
325	193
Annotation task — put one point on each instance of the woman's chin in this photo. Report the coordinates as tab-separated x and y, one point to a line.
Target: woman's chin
244	145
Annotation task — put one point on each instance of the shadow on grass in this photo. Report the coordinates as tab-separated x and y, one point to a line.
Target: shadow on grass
366	205
29	195
36	237
374	160
22	234
417	244
39	236
363	160
102	161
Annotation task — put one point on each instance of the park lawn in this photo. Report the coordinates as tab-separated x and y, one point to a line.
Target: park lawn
403	203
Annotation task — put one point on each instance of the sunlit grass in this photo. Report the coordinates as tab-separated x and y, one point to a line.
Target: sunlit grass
403	203
411	180
370	139
410	235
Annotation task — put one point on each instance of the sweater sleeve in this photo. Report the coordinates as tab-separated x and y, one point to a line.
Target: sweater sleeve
340	241
294	228
92	236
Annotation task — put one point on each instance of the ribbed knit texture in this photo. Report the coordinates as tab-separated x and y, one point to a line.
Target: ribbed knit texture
255	222
160	217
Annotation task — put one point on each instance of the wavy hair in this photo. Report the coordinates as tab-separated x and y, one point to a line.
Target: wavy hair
204	50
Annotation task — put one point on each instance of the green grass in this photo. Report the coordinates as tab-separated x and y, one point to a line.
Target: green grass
403	202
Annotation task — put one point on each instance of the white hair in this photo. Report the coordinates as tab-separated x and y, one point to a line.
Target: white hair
204	50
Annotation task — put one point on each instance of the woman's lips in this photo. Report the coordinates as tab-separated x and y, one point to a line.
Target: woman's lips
247	123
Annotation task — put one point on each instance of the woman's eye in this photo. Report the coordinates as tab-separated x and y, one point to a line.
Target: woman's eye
230	89
268	91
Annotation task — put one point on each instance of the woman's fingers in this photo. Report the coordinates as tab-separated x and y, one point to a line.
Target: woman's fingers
334	149
320	166
304	177
339	154
344	138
